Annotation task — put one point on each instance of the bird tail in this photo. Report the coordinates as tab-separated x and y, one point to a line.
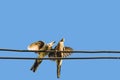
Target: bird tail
59	62
35	65
58	71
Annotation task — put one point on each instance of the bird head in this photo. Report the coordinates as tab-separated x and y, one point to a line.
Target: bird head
62	40
49	45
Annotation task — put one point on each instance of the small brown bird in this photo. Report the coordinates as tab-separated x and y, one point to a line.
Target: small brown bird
60	47
40	45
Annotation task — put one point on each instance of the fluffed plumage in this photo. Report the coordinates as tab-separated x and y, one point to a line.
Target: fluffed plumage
65	54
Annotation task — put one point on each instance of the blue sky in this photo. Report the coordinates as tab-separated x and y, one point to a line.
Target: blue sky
85	25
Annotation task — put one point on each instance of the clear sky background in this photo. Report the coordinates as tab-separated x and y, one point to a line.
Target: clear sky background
85	25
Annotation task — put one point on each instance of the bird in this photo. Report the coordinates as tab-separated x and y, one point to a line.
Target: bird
60	47
39	45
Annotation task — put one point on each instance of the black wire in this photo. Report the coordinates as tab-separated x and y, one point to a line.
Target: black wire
79	51
75	58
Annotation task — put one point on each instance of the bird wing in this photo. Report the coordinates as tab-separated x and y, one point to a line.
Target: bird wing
66	54
39	45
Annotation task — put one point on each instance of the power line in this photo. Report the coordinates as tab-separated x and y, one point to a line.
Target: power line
75	58
77	51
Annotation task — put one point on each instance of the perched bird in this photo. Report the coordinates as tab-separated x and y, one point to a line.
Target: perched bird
40	45
60	47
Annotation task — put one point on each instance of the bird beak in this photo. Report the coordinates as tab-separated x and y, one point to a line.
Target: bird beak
51	43
62	40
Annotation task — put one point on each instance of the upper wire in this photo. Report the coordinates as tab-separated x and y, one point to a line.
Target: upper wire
73	58
77	51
